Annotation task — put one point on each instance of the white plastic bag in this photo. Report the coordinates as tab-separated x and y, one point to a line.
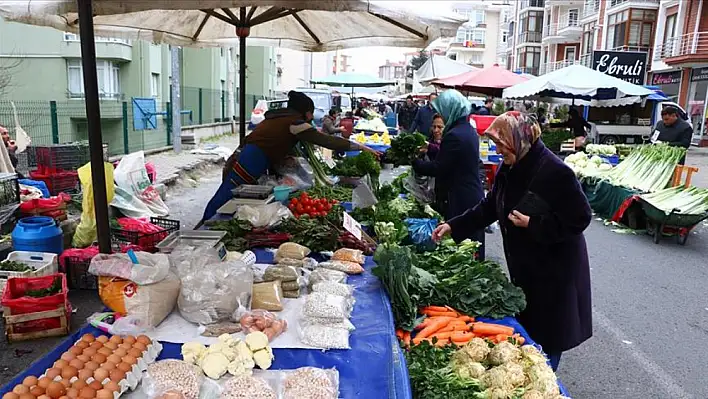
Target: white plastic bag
132	176
150	269
263	215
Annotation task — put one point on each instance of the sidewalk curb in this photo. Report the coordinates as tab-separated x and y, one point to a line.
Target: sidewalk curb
163	184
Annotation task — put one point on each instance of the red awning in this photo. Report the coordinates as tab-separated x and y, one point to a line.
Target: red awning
490	80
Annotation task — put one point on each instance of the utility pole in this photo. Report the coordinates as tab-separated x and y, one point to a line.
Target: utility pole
176	101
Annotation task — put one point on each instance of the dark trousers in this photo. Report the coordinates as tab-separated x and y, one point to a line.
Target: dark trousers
554	358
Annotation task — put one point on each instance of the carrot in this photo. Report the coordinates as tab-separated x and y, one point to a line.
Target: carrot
491	329
461	336
465	318
431	328
442	335
434	308
519	339
450	309
500	338
407	339
442	342
444	314
427	321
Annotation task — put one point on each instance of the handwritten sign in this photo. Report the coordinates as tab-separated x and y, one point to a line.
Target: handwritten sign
352	226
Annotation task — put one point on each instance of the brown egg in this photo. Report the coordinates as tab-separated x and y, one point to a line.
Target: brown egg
78	384
125	346
102	339
30	381
10	395
72	392
87	393
100	374
108	366
84	374
140	345
120	352
116	339
77	363
53	372
64	397
36	391
113	358
61	363
88	338
104	394
90	351
55	390
69	372
135	352
117	375
96	385
106	351
129	339
96	345
130	359
99	358
45	396
91	365
82	344
65	382
111	345
83	358
68	356
112	386
76	350
123	366
26	396
44	382
20	389
144	339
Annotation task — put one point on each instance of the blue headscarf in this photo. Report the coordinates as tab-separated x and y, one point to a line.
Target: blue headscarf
452	106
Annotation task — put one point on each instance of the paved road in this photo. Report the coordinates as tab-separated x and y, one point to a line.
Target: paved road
650	312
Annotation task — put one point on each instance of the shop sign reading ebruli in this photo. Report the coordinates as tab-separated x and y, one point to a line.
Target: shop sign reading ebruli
666	78
630	66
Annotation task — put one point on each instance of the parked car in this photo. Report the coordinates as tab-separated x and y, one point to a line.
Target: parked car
262	106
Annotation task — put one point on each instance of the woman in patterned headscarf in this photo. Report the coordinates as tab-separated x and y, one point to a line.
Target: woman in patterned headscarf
542	212
456	166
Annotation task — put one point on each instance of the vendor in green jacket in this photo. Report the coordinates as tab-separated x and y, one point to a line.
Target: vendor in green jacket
270	142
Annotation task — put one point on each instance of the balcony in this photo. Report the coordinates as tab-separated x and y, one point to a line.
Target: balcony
616	3
585	60
550	3
631	48
567	30
529	37
532	3
590	10
106	48
686	49
530	70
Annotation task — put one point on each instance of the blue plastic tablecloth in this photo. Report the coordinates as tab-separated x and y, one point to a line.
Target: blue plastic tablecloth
377	147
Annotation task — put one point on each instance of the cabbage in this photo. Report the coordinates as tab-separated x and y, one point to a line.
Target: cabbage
596	160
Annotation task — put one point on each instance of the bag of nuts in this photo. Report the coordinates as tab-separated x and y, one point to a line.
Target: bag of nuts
172	379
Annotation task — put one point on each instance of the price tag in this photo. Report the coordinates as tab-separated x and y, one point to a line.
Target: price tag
352	226
655	136
330	162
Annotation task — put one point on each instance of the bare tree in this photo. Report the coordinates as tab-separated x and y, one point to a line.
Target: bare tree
7	67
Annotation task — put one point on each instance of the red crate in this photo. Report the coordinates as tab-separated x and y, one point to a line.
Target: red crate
30	318
57	180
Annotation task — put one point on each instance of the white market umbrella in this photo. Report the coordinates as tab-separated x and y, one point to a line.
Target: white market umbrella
438	67
579	85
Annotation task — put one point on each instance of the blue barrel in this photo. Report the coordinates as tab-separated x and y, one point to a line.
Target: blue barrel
38	234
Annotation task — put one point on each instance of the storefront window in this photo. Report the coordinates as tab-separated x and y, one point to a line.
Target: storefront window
668	82
697	101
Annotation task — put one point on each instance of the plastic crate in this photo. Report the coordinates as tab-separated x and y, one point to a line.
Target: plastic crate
70	156
146	241
77	275
43	263
60	181
9	189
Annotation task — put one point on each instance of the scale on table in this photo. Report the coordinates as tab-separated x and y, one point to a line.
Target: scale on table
194	239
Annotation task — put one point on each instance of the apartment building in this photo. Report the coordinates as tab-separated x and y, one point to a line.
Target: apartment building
479	40
680	59
550	34
43	66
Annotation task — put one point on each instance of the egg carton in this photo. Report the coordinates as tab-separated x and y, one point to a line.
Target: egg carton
132	377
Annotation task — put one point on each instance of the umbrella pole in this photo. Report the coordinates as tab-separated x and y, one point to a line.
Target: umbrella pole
242	33
93	116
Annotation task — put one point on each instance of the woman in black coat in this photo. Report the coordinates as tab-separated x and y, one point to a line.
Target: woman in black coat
542	212
456	166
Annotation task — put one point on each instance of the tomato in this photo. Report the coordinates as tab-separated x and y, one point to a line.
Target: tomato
293	201
308	209
328	207
319	207
303	195
299	208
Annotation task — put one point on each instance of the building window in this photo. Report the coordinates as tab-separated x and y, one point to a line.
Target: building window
223	85
588	38
155	85
669	28
570	53
504	36
452	56
108	74
73	37
573	17
530	59
631	29
476	58
530	27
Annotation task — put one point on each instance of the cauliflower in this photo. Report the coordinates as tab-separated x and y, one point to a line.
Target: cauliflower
542	379
256	341
515	373
533	394
504	352
474	351
224	349
468	370
227	339
214	365
596	160
192	352
243	364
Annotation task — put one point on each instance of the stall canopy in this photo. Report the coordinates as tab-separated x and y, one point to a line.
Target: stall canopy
579	85
489	81
352	79
438	67
300	25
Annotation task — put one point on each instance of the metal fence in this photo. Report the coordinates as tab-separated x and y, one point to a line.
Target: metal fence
63	121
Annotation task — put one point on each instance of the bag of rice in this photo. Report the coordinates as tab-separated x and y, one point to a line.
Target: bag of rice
267	296
291	293
291	250
282	273
324	274
343	266
329	287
